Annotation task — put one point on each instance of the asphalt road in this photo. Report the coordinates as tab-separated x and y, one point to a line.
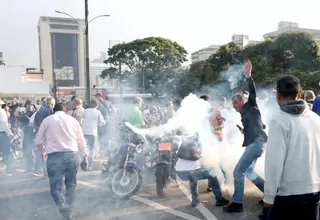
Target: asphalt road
25	197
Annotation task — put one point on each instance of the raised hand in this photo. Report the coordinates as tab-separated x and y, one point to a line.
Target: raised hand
248	69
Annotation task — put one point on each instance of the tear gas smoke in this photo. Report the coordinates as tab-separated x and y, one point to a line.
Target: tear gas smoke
193	117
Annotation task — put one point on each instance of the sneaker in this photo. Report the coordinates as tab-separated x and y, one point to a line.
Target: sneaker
11	172
222	202
38	173
65	212
195	202
66	215
233	208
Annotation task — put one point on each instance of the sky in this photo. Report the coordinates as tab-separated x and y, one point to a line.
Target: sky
193	24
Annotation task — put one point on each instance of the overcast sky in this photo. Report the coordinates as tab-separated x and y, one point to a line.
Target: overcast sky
193	24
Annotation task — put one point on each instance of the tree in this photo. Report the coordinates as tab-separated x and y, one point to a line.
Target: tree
291	53
152	59
298	50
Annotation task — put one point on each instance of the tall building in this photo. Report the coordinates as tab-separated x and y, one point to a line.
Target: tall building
241	40
204	53
286	27
62	50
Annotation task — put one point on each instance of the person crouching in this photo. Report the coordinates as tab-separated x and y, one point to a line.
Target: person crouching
189	168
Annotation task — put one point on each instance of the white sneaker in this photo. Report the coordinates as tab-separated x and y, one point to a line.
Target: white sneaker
38	174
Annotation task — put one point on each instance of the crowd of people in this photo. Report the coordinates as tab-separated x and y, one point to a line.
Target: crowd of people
292	144
54	133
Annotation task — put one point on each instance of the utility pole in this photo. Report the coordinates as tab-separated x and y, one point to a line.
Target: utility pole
86	35
120	78
54	86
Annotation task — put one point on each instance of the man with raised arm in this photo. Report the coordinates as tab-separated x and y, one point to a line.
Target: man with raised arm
254	142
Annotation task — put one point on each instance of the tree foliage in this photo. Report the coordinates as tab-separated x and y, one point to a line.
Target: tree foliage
152	59
291	53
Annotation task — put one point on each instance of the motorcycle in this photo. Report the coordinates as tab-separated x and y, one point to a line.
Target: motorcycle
166	161
122	169
16	144
16	148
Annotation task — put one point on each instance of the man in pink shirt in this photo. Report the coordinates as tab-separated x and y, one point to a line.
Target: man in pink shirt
60	139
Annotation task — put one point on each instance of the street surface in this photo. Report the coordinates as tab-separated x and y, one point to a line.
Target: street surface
25	197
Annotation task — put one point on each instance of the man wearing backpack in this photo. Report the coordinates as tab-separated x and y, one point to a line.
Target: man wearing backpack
106	109
189	168
28	134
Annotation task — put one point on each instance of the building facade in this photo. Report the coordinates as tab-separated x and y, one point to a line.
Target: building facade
20	81
241	40
287	27
204	54
62	50
96	67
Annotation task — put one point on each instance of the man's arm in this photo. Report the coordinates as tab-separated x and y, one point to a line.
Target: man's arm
41	136
101	120
252	99
251	87
276	151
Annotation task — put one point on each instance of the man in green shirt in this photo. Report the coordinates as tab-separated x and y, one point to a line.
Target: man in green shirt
133	114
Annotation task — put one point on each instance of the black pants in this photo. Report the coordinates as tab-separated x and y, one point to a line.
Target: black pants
296	207
28	145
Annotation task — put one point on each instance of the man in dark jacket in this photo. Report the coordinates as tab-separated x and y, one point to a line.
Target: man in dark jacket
28	134
39	117
254	141
106	109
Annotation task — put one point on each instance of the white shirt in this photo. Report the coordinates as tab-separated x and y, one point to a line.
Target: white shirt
61	133
4	125
92	118
292	163
187	165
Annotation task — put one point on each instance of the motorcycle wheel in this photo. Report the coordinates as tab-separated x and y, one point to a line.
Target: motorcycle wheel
123	180
17	153
149	159
2	165
161	174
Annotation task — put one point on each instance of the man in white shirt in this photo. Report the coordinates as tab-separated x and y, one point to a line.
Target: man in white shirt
92	119
60	137
5	142
292	163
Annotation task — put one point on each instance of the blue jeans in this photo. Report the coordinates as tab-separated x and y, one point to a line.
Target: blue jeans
91	141
5	144
245	167
201	174
59	165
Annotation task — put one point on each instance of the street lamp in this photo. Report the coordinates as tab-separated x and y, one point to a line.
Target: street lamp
85	30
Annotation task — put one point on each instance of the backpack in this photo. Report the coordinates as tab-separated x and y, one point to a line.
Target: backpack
190	149
24	118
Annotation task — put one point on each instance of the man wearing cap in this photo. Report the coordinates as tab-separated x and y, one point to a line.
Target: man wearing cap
5	136
105	109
